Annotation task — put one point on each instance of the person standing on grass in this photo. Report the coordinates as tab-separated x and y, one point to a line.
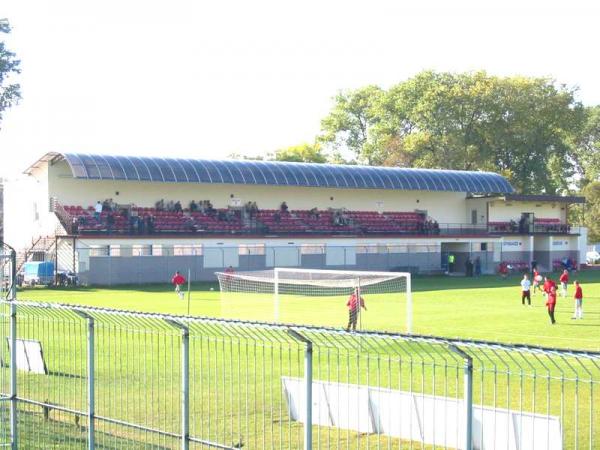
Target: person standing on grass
548	284
578	314
536	281
355	302
564	282
178	280
525	290
551	304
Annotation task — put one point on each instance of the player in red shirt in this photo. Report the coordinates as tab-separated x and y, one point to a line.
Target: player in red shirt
551	304
578	314
564	282
536	281
548	284
355	302
178	280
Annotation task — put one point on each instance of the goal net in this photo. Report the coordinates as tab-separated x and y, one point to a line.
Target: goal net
319	297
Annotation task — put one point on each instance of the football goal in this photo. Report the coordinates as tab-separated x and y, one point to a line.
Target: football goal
319	297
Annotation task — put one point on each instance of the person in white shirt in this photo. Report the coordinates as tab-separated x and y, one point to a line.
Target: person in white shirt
98	210
525	290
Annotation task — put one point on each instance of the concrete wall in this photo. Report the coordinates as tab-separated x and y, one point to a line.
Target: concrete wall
27	211
445	207
107	270
500	211
479	205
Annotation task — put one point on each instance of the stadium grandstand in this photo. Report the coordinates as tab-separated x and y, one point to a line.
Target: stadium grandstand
97	213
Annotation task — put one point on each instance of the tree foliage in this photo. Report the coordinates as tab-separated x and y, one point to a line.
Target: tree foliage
305	152
589	215
521	127
10	92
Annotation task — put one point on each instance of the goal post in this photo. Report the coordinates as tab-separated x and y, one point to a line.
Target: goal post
315	296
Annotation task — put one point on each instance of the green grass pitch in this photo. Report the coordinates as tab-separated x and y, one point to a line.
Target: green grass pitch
487	308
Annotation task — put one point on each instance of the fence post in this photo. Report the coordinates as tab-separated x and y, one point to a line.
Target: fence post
308	360
185	383
91	373
468	386
13	376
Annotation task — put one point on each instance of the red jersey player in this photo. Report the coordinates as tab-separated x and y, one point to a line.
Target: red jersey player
564	282
551	304
548	284
578	314
178	280
355	302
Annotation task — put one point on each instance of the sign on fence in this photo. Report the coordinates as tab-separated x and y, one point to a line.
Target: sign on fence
429	419
30	357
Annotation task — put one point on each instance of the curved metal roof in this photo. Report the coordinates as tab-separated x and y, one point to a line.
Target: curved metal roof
134	168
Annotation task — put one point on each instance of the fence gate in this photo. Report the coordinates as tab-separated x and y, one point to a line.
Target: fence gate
7	286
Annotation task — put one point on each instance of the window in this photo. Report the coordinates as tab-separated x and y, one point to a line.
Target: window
114	250
157	250
312	249
368	248
99	250
141	250
187	250
251	249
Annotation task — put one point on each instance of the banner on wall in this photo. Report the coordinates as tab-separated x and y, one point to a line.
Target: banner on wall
512	245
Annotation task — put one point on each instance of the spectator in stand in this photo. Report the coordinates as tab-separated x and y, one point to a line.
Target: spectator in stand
160	205
150	224
314	213
512	226
284	207
193	206
177	206
105	206
209	208
133	224
170	206
551	304
97	210
190	225
141	225
564	282
110	222
276	217
75	225
436	227
578	314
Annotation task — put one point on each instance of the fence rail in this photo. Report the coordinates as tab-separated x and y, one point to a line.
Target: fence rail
97	378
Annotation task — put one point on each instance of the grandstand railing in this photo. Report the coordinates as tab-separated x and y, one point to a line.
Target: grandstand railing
88	377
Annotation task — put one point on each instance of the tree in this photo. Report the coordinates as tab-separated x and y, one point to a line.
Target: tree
10	92
521	127
587	147
349	123
305	152
589	215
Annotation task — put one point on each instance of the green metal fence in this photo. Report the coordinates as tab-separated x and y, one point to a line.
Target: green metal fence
95	378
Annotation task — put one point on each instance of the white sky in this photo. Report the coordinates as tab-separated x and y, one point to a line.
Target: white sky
207	78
